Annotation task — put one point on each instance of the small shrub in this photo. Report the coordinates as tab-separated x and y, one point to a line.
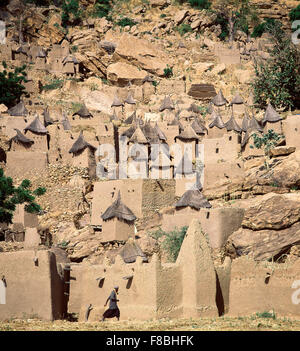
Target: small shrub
157	234
101	8
200	4
74	48
76	106
125	21
173	241
168	72
55	84
266	314
223	22
163	15
184	28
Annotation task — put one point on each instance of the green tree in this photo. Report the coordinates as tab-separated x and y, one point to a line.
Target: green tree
233	15
71	12
263	27
266	141
11	88
10	196
278	78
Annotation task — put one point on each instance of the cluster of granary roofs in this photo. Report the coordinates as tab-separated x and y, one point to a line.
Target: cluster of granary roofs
190	129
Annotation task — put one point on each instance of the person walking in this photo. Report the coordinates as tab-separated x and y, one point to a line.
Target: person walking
113	310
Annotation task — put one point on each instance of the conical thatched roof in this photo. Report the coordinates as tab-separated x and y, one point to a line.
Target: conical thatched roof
254	124
160	133
22	49
70	58
130	251
247	136
114	116
21	138
83	112
18	110
210	108
245	123
131	118
129	132
194	199
174	122
118	210
216	121
65	122
130	100
237	100
219	99
138	137
47	119
36	126
150	133
198	127
80	145
231	125
167	104
271	115
194	108
188	133
117	102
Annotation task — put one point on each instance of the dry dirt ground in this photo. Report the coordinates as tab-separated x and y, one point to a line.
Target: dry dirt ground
253	323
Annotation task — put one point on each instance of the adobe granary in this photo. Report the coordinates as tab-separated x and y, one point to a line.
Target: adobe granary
272	120
167	104
148	88
291	130
47	118
231	125
20	142
192	199
188	136
83	112
129	104
219	100
65	122
118	222
216	128
70	65
38	133
237	104
118	105
18	110
199	127
83	154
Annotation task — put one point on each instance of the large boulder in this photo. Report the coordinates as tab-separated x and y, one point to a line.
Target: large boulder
265	244
121	73
283	174
141	53
276	212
